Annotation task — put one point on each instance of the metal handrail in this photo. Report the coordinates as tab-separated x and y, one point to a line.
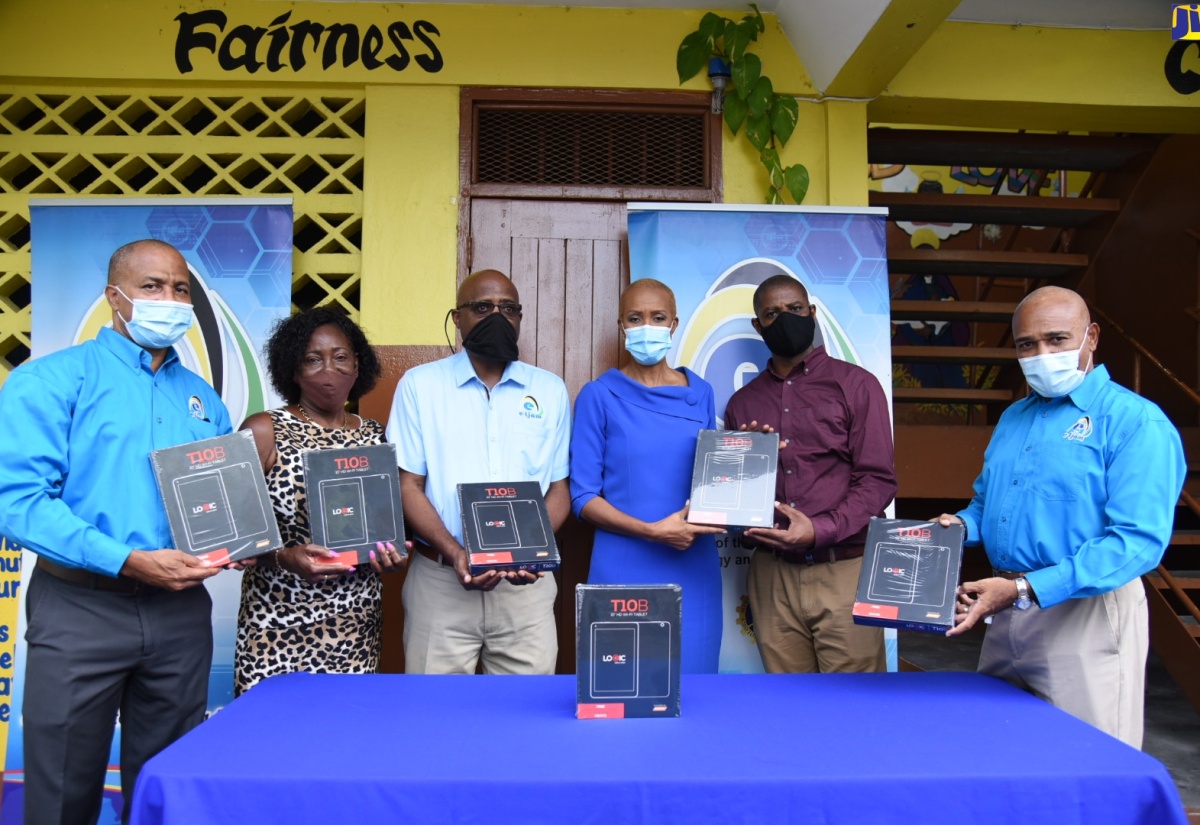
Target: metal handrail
1139	352
1179	592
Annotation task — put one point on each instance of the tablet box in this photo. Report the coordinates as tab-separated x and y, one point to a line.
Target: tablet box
216	498
627	650
506	527
909	575
733	479
354	500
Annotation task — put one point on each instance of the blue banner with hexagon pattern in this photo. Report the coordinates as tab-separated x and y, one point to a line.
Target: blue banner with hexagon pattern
713	257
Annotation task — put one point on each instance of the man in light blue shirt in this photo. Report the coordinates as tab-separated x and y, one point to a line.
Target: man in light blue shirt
115	622
480	415
1075	502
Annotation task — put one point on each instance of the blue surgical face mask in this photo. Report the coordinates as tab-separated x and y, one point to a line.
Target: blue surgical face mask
157	324
1055	374
648	344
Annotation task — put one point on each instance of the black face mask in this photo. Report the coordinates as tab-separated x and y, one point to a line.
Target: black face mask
493	338
790	334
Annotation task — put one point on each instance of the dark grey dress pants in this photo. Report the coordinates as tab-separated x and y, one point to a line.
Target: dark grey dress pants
94	655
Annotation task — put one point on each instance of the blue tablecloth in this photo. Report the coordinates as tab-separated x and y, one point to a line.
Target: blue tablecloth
880	748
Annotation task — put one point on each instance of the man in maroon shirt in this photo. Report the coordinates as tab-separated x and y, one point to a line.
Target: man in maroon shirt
836	470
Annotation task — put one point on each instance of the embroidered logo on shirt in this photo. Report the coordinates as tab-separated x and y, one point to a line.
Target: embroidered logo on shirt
196	408
1080	430
530	408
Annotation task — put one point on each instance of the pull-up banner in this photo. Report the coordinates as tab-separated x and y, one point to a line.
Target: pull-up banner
713	257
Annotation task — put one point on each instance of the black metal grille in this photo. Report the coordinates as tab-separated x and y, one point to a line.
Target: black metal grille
590	148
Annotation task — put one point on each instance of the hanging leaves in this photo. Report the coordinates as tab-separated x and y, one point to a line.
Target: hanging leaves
712	26
785	112
735	113
760	97
796	177
750	101
693	54
746	73
758	131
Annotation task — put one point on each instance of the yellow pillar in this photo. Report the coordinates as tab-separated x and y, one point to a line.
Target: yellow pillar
846	152
410	213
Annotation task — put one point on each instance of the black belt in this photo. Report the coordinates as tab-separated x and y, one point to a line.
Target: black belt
95	581
811	557
429	553
1007	574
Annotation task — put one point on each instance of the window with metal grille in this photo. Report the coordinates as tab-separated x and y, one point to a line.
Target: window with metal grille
591	148
305	143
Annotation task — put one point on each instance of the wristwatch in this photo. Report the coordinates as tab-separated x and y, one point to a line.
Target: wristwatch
1023	601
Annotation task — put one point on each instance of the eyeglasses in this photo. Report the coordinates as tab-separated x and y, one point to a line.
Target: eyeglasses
482	308
343	362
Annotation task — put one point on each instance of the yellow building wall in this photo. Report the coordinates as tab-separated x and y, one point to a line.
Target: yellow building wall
410	213
993	76
411	165
480	45
966	74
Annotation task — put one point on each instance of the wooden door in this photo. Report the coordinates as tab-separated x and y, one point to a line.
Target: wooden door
569	263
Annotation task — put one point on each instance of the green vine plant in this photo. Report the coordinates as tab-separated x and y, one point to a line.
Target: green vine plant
751	104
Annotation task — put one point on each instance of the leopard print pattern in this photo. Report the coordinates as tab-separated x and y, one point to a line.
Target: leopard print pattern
285	623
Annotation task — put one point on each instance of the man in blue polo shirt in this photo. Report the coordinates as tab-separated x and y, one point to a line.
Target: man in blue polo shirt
479	415
1075	502
115	623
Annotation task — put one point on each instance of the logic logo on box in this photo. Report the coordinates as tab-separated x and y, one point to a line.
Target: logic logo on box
1185	21
627	650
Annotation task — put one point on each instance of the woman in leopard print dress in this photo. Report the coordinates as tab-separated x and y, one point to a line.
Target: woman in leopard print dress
301	610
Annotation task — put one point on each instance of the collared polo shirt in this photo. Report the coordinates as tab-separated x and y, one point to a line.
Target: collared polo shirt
448	427
76	482
838	467
1078	491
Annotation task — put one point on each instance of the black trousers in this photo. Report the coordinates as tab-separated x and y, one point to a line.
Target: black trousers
91	656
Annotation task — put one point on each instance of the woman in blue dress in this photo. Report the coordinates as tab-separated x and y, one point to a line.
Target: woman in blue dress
633	444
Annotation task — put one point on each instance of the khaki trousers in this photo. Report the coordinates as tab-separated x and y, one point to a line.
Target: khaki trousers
1086	656
449	630
803	618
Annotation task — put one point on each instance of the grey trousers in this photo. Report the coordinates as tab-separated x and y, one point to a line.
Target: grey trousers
94	655
1085	656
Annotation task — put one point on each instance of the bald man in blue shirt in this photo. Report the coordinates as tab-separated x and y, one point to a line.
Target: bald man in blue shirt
1075	502
116	624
